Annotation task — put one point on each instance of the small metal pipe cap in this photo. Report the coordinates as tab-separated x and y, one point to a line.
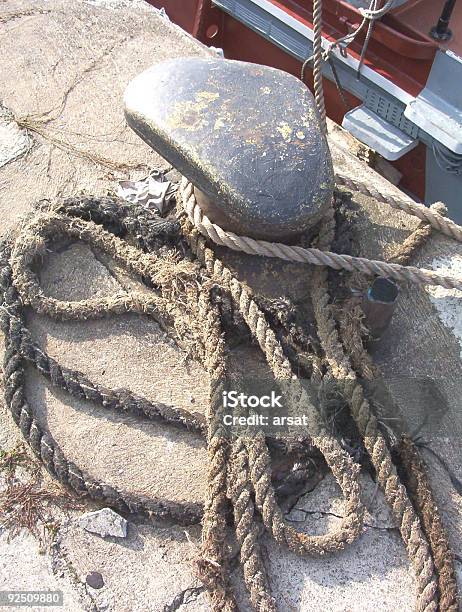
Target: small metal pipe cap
379	304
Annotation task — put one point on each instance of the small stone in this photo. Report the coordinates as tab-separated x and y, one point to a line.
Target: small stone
14	141
95	580
297	516
104	522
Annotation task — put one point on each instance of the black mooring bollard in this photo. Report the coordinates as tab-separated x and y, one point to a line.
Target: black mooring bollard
248	138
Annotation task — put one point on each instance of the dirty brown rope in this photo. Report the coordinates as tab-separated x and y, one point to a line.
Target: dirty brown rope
406	250
342	370
416	481
168	276
239	471
394	492
253	451
411	467
403	203
20	349
213	565
413	472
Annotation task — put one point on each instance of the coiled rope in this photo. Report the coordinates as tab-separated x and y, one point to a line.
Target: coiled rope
196	319
239	473
342	369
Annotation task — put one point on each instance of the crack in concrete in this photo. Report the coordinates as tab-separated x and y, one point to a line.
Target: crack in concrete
5	17
44	118
184	598
93	64
292	502
325	513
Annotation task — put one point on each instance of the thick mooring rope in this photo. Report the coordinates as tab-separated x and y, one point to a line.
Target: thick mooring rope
19	287
239	473
343	372
413	472
20	348
253	456
429	215
374	442
319	257
417	484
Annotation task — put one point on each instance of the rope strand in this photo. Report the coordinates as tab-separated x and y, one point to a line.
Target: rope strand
319	257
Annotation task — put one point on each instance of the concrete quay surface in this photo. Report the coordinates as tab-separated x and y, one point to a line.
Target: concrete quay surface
64	65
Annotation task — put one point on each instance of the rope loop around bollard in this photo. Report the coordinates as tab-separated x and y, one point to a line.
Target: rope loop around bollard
318	257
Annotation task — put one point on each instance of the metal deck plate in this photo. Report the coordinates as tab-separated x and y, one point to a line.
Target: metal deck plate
378	134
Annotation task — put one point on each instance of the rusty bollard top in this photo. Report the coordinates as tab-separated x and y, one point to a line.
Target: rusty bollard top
247	136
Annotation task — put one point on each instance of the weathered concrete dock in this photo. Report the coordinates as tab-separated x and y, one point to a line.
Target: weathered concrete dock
63	69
